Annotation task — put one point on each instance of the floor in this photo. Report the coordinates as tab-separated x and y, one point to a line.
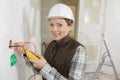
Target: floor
101	76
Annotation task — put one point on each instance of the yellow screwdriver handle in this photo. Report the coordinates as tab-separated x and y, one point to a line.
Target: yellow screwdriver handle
31	55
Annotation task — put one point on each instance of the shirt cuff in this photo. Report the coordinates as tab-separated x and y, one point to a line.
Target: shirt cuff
46	70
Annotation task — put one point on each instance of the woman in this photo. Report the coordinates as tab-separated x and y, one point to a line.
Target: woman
64	58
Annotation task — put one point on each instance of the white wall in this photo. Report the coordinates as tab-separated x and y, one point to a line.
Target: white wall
19	21
94	21
112	30
91	13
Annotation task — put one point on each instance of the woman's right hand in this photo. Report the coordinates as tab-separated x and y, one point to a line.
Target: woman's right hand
20	49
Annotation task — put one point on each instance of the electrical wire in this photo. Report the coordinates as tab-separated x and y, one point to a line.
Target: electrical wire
32	76
28	63
26	43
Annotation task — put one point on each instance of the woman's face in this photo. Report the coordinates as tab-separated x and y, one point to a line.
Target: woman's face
59	28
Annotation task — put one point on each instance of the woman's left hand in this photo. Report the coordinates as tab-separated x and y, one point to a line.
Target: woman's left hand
39	64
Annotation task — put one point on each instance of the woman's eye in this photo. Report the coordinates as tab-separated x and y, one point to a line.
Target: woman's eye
59	25
51	24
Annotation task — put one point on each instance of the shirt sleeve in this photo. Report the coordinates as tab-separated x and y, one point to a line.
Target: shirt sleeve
76	71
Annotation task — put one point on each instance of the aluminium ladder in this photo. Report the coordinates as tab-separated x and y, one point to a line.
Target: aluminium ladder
106	54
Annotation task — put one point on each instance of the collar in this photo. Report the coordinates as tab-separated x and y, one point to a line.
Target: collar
62	41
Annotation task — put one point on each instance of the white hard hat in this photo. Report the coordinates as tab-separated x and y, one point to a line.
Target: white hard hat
61	11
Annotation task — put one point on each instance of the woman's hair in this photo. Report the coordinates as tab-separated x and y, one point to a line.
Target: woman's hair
69	22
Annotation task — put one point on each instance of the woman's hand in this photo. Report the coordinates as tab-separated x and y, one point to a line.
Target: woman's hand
20	49
39	64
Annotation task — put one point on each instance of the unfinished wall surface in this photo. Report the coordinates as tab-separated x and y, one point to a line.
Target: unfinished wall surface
97	17
19	21
112	31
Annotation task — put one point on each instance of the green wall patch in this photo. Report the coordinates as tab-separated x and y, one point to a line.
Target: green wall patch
13	60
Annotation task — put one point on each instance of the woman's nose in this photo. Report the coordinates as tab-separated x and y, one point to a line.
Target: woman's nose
54	28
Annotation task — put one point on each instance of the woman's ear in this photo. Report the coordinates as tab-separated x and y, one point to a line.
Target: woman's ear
70	28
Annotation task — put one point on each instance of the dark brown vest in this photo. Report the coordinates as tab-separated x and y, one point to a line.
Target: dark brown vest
59	54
